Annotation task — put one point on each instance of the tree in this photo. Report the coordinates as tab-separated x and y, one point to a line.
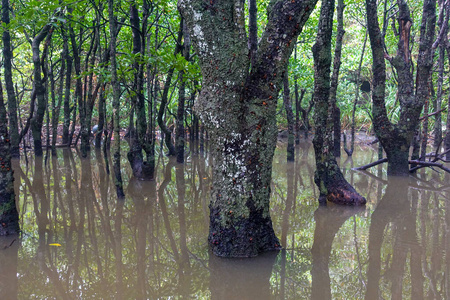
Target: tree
12	102
39	87
116	100
238	107
9	217
328	177
396	138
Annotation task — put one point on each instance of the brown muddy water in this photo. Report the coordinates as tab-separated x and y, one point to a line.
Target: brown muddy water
79	242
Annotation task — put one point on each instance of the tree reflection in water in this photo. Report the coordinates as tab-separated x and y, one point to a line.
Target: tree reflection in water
152	244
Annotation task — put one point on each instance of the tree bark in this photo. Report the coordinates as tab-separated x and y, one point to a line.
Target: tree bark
38	118
84	131
438	99
164	99
57	109
12	102
335	80
328	177
66	106
116	101
252	30
179	134
9	217
289	116
396	138
138	136
238	109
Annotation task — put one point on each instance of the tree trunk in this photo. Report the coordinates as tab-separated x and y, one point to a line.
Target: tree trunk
289	116
67	110
138	136
12	102
179	134
164	99
38	118
252	30
355	102
396	138
9	217
57	109
438	99
328	177
336	112
116	101
84	131
239	112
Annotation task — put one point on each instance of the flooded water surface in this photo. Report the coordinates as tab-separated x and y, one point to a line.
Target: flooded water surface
79	242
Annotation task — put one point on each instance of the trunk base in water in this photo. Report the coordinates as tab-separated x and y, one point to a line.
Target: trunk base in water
334	188
341	192
245	237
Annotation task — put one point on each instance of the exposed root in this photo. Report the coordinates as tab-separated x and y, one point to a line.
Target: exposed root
344	194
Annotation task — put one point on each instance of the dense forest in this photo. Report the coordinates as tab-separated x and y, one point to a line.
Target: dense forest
144	79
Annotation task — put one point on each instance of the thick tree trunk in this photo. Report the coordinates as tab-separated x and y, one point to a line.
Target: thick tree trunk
328	177
12	102
116	101
9	217
239	112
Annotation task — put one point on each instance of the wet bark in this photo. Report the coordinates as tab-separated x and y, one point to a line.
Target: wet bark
331	183
252	30
9	85
66	107
238	109
289	116
164	99
179	134
336	112
39	87
298	101
116	101
396	138
438	100
56	109
90	90
9	217
138	137
84	131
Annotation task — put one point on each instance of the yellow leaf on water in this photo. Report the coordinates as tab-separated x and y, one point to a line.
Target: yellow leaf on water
55	245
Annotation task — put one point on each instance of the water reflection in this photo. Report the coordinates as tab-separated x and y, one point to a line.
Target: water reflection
328	222
80	242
